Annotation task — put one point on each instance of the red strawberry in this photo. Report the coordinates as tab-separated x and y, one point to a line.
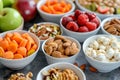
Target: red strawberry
65	20
72	26
90	15
95	20
83	29
91	26
77	13
82	19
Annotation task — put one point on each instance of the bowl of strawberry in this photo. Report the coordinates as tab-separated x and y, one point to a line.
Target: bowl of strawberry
80	25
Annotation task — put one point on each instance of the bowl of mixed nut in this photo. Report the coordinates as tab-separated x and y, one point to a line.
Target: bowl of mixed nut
102	8
111	26
61	71
61	49
45	30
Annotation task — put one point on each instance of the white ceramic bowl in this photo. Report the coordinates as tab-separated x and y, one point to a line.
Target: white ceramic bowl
81	37
100	66
52	17
101	16
62	65
70	59
102	26
16	64
41	41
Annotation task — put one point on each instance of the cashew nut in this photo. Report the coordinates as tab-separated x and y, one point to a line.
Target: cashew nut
61	49
49	41
57	54
48	49
53	45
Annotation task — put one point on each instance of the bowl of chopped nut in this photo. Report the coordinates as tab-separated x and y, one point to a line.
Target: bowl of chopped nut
61	71
111	26
102	52
61	49
45	30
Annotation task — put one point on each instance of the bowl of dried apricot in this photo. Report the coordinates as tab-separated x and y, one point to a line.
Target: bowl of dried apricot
61	49
53	10
18	48
61	71
111	26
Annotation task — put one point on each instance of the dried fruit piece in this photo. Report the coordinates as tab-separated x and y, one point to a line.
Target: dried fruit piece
22	51
31	51
92	69
18	56
76	64
1	51
83	66
8	55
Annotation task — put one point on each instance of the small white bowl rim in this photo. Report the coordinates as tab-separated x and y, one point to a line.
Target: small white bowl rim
104	21
48	23
91	57
78	4
62	58
73	7
79	32
27	56
62	63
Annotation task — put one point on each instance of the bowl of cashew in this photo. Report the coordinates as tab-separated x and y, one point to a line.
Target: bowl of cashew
61	49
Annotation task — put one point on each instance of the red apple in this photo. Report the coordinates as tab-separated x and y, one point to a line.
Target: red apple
27	8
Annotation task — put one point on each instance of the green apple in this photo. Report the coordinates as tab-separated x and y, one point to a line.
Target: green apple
8	3
9	19
1	5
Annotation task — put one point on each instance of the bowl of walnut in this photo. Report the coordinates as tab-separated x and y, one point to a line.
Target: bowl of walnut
61	71
61	49
111	26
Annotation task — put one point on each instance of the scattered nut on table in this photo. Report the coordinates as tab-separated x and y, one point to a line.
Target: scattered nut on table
60	47
59	74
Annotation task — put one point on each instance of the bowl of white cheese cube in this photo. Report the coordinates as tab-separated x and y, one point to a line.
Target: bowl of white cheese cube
102	52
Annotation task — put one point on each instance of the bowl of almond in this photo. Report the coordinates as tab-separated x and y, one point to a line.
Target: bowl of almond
111	26
61	49
61	71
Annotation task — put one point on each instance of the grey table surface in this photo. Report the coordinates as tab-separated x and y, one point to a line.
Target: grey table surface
40	62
